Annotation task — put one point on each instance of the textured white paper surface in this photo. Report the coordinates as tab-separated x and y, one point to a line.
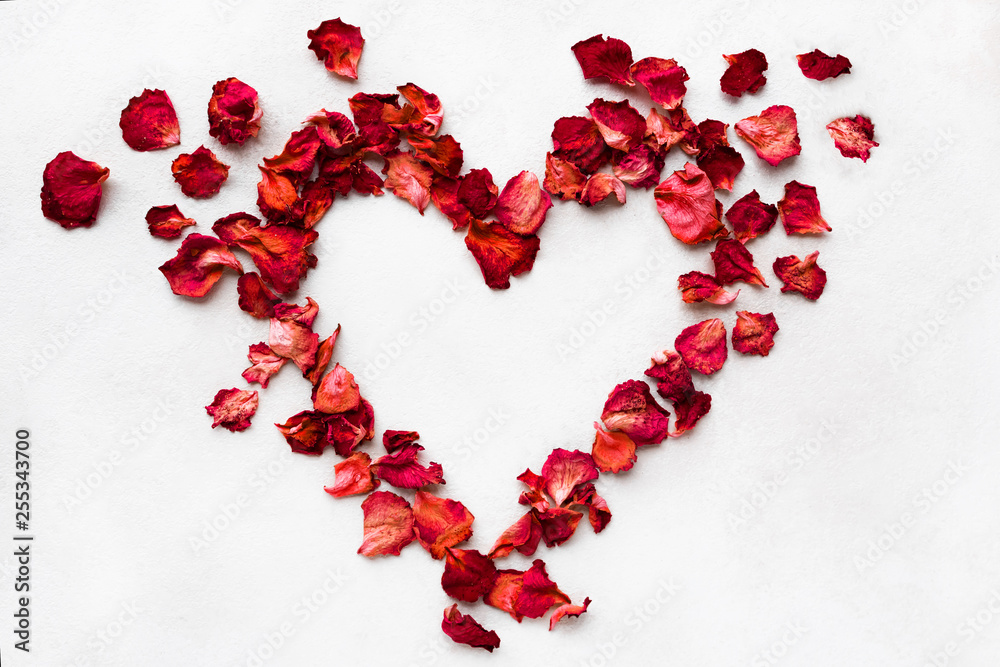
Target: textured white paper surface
837	506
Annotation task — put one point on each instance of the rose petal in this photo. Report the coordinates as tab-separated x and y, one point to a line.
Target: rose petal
334	129
338	45
558	525
597	508
722	164
394	440
676	128
200	174
233	113
408	178
347	430
264	363
703	346
440	523
233	408
819	66
803	276
564	470
664	79
353	476
374	132
291	334
621	126
563	178
255	298
523	535
478	192
613	451
400	469
280	252
337	392
500	252
468	574
631	409
306	432
535	495
745	73
166	222
686	202
444	194
567	609
322	359
388	524
198	265
277	196
734	262
149	122
754	332
750	217
578	140
712	133
640	167
601	186
443	154
609	59
688	410
463	629
696	287
522	205
853	137
672	375
773	134
71	190
423	111
529	593
799	210
297	159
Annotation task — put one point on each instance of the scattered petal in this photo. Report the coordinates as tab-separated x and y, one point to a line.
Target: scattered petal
854	137
149	122
440	523
564	470
703	346
298	157
696	287
799	210
750	217
558	525
734	262
529	593
567	609
631	409
754	332
523	535
166	222
621	126
322	359
443	154
353	476
500	252
463	629
522	205
802	276
400	469
338	45
722	164
745	73
264	363
255	298
233	113
337	392
394	440
664	79
478	193
819	66
280	252
233	408
563	178
672	375
774	134
468	574
640	167
71	190
605	58
676	128
198	265
601	186
613	451
200	174
578	140
444	194
686	202
388	524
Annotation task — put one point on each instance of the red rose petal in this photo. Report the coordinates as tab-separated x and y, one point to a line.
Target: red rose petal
233	408
400	469
696	287
478	193
347	430
280	252
567	609
664	79
233	113
200	174
523	535
712	133
334	129
423	111
322	359
337	392
819	66
408	178
613	451
394	440
338	45
799	210
444	194
564	470
149	122
853	137
601	186
353	476
440	523
803	276
774	134
264	363
298	157
535	495
277	196
631	409
754	332
597	509
689	409
672	375
374	132
443	154
198	265
686	202
71	190
579	140
750	217
388	524
500	252
529	593
609	59
621	126
640	167
745	73
291	334
703	346
166	222
522	205
558	525
563	178
676	128
463	629
734	262
255	298
468	574
722	164
306	432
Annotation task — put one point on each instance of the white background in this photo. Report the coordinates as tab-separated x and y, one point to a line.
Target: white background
856	411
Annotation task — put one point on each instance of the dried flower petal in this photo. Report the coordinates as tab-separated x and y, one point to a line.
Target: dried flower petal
463	629
609	59
564	470
567	609
754	332
530	593
500	252
394	440
444	194
400	469
734	262
71	190
443	154
388	524
676	128
324	352
640	167
599	187
298	157
280	252
563	178
853	137
347	430
621	126
686	202
522	205
745	73
585	495
264	363
774	134
291	334
696	287
819	66
703	346
558	524
353	476
149	122
803	276
306	432
166	222
631	409
799	210
613	451
337	392
255	298
233	113
664	79
200	174
468	574
722	164
334	129
478	192
535	495
198	265
579	140
689	409
338	45
440	523
523	535
750	217
233	408
408	178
